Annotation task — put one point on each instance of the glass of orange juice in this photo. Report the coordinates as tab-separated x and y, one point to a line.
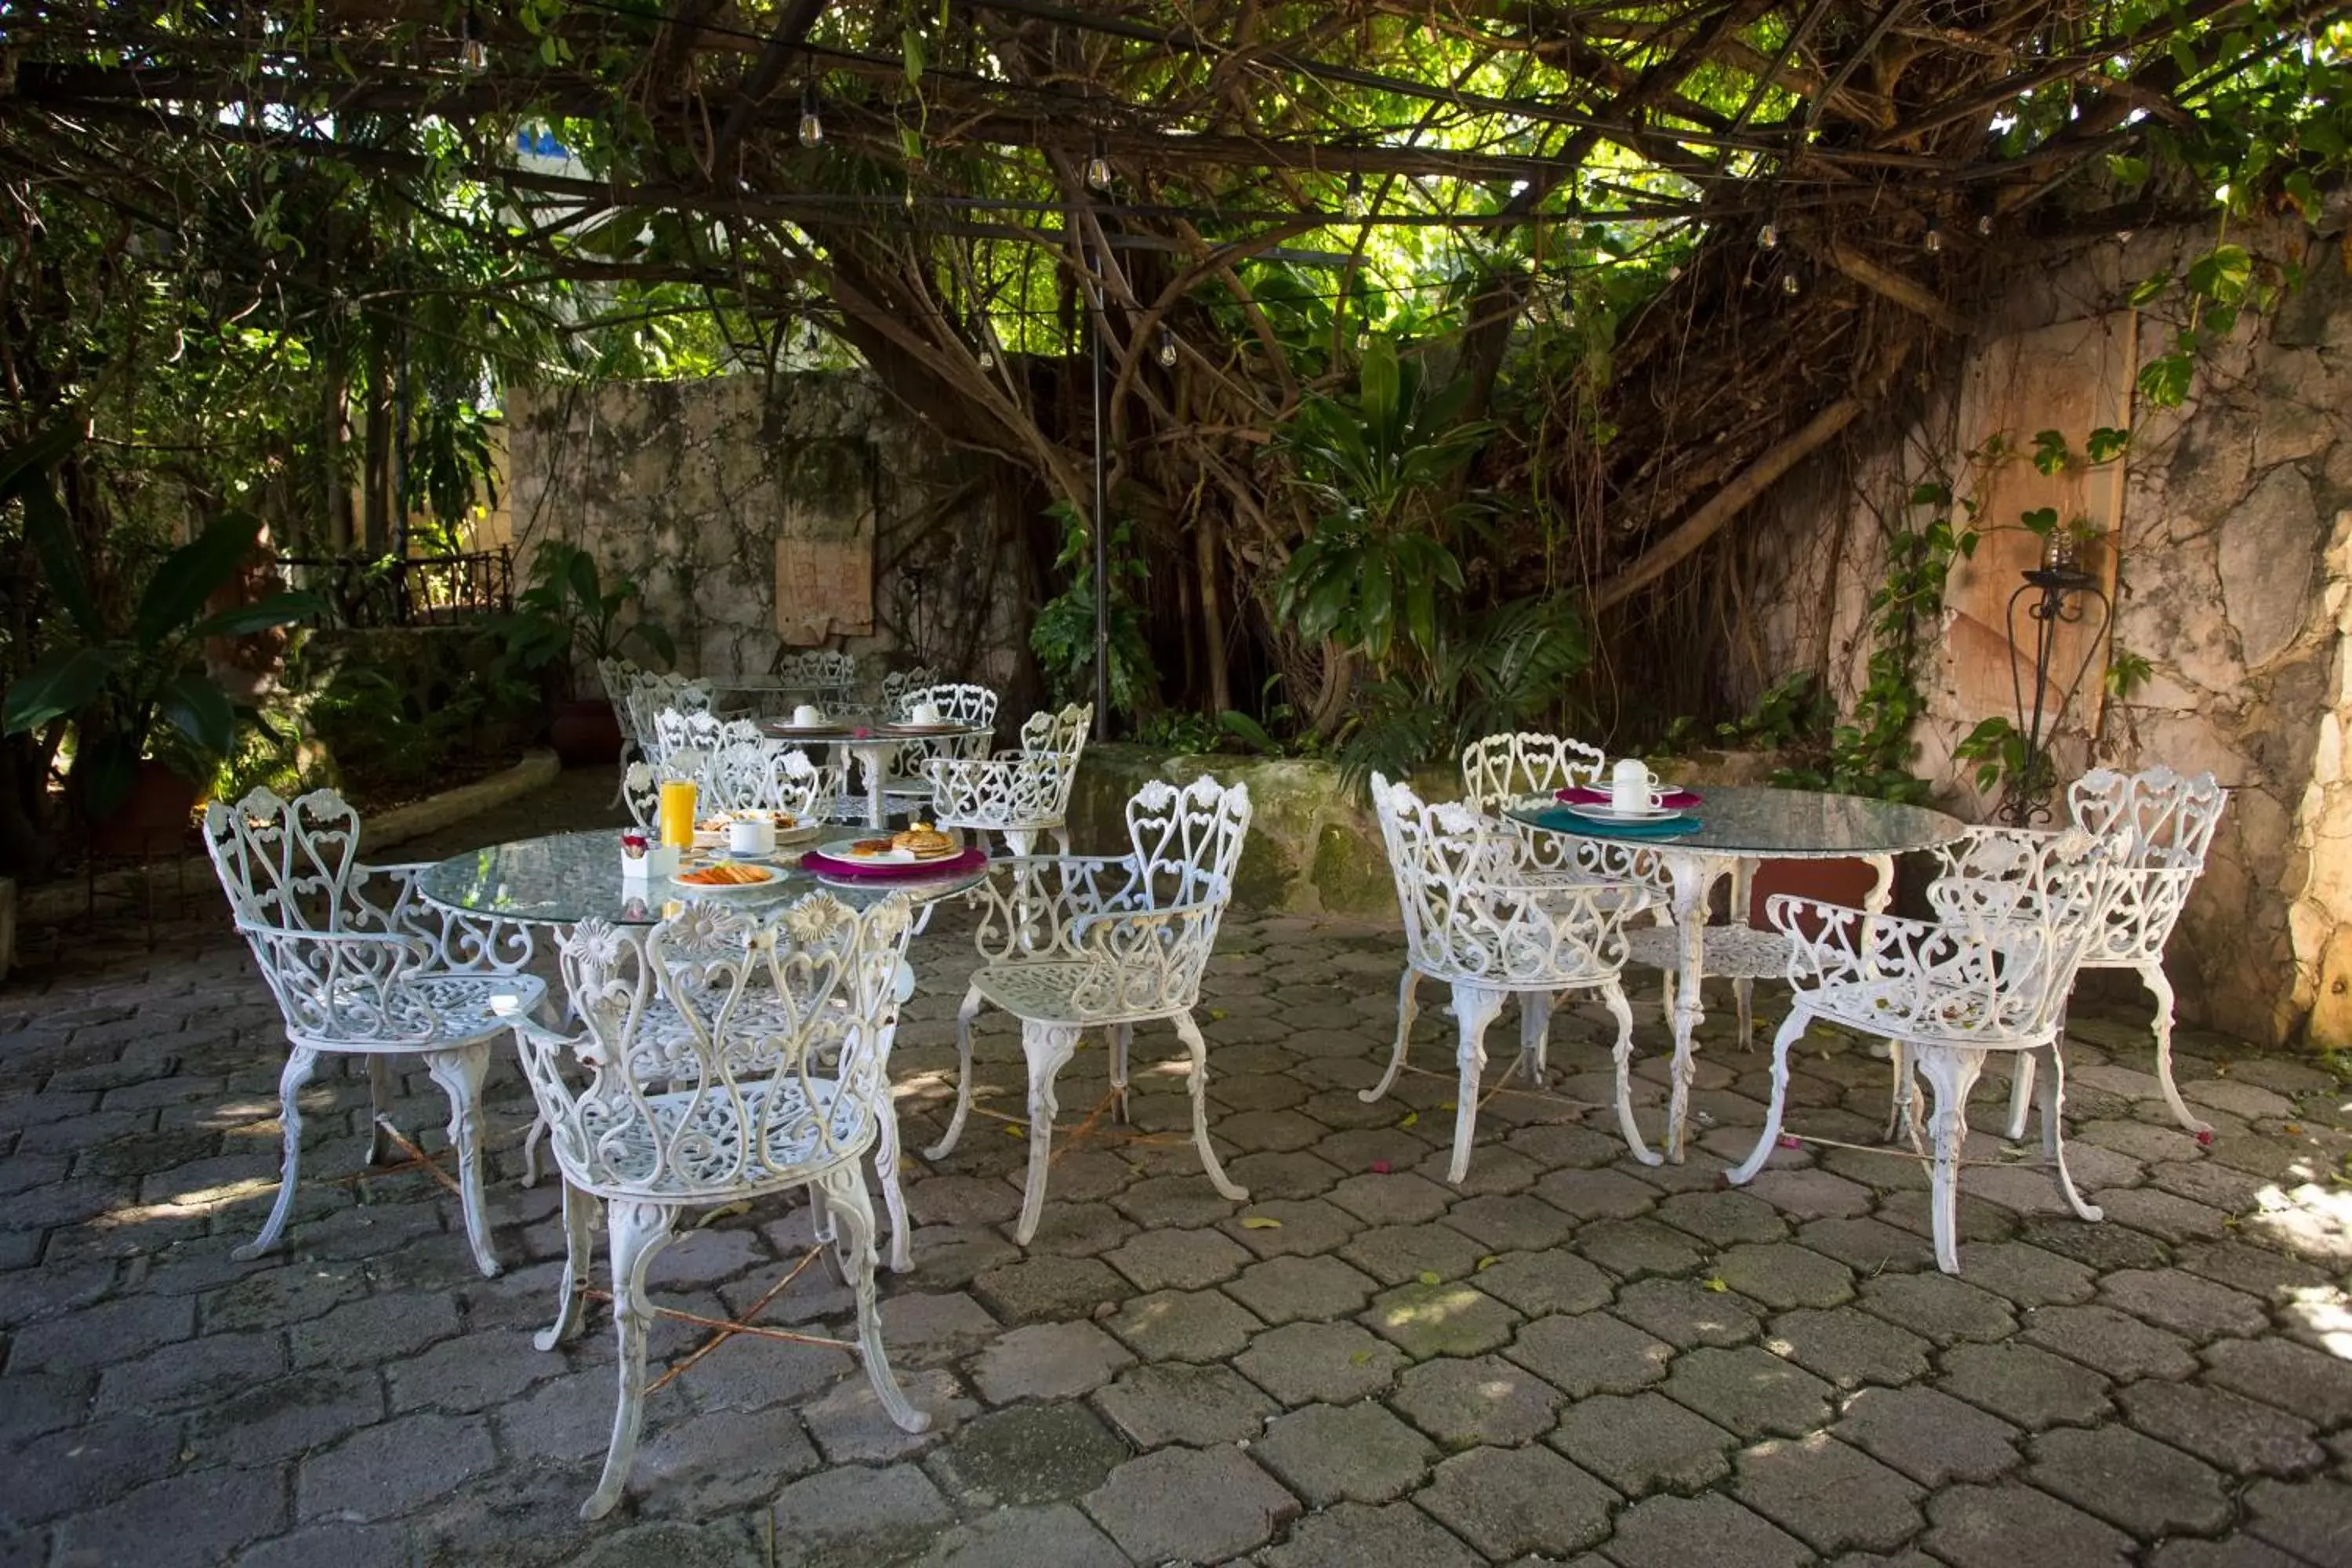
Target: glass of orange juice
677	798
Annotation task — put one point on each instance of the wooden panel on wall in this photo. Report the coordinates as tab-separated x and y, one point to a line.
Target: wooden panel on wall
824	546
2071	378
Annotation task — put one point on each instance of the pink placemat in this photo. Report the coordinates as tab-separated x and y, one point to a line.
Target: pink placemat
1584	795
972	859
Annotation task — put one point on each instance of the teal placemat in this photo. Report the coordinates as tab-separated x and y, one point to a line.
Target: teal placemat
1669	827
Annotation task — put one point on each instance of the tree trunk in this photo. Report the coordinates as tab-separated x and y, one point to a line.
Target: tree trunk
1207	545
376	465
334	415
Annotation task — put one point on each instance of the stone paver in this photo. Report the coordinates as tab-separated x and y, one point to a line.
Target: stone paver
1357	1453
1568	1357
1508	1501
1197	1505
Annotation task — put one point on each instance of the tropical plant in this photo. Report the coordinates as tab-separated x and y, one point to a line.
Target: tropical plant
567	616
137	689
1063	635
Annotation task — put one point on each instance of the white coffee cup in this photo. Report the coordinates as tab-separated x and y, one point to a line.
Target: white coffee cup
1633	788
750	835
808	716
926	713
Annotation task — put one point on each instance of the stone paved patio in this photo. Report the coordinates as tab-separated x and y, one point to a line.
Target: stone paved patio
1570	1358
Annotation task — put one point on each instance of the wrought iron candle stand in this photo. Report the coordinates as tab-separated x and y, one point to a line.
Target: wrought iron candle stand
2057	592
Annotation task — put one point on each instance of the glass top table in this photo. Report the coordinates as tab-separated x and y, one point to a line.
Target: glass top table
1753	823
567	878
1740	825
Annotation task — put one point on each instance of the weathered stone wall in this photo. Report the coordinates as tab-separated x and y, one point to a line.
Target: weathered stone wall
2234	554
688	486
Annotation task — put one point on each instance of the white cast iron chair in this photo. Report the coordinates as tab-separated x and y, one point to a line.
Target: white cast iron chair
1483	916
360	966
1080	943
1019	793
2163	824
778	1080
757	775
646	696
907	789
828	676
1989	975
897	683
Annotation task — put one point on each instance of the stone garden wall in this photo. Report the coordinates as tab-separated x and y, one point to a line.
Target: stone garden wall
2231	553
711	492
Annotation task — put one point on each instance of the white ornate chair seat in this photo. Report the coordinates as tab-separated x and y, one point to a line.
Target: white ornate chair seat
1734	952
1080	943
792	1091
1490	914
355	977
801	1132
1989	976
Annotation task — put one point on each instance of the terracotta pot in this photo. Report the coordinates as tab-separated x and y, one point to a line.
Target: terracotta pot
152	818
585	735
1846	882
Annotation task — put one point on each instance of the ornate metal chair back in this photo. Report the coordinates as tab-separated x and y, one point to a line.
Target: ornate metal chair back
2162	824
744	1095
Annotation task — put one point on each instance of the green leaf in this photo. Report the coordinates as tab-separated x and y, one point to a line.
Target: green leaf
196	707
261	616
52	536
2049	451
21	466
1381	378
910	45
2164	380
64	683
2222	275
2149	290
191	574
1430	1277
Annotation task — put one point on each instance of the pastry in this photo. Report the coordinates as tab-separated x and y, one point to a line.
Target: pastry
727	874
924	842
871	847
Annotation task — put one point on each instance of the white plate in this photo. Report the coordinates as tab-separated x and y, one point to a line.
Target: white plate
839	850
1611	813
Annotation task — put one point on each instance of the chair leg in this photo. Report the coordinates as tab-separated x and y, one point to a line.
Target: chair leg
2054	1134
640	1231
2159	985
1122	1036
530	1142
2020	1090
1191	1031
853	1212
380	1092
1534	1030
1048	1047
459	1073
1952	1070
894	1194
1407	1010
964	1016
1613	995
579	1247
300	1063
1474	1007
1061	841
1792	1030
1743	995
1022	841
1903	1114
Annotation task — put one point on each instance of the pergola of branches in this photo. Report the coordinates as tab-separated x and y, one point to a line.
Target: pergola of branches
1760	217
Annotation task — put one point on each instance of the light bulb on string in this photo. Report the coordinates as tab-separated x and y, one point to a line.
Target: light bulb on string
1098	168
1355	202
1788	284
473	54
987	356
1769	236
811	128
1363	339
1167	348
1934	241
1984	223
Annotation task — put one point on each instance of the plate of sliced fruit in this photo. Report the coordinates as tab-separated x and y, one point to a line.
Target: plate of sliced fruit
725	878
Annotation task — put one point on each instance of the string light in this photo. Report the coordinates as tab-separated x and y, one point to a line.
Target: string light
1934	240
1788	284
1098	168
1984	223
1166	348
1363	339
987	356
811	128
1355	204
473	54
1769	236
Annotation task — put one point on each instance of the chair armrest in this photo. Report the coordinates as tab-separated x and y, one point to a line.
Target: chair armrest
985	792
1144	961
349	986
461	943
1031	903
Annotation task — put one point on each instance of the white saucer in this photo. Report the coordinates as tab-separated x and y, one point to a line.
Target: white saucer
1611	813
839	850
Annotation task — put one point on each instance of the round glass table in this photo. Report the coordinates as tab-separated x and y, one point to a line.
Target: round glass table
876	747
567	878
1740	826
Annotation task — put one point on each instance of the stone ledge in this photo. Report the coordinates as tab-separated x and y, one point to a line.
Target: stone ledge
58	902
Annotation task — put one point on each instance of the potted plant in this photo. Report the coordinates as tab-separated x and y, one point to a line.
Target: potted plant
148	722
567	617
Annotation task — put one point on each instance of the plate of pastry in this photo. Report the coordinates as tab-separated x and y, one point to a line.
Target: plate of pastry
725	878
